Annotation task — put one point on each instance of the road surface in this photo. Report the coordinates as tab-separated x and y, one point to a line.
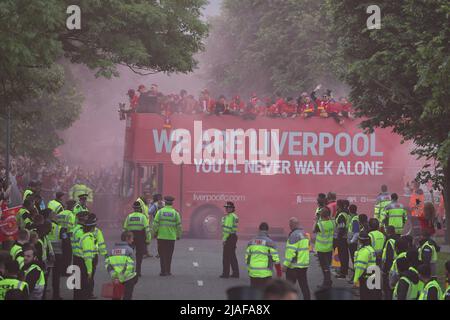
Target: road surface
196	266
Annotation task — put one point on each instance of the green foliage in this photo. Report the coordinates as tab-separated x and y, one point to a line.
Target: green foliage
144	35
141	34
400	75
269	46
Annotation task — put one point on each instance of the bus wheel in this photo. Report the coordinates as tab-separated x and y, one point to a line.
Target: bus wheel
206	223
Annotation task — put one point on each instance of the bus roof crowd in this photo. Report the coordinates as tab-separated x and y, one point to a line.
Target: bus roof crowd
305	106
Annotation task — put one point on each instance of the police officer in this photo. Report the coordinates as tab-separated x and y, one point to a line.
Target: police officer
296	259
321	203
137	223
364	259
88	250
395	215
407	287
341	237
33	273
66	218
260	257
229	237
24	216
11	281
324	230
81	204
56	205
428	250
432	290
382	200
377	239
120	264
100	247
58	238
167	228
16	251
387	258
157	203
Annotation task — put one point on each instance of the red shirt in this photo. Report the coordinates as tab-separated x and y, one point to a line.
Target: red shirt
307	107
237	106
322	106
288	108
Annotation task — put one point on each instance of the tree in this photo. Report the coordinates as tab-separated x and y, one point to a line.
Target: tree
145	35
399	75
269	46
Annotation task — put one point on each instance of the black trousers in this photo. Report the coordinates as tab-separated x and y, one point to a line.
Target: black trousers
141	249
129	288
325	259
229	256
352	247
94	269
66	256
387	291
368	294
165	251
259	282
299	275
342	246
57	271
83	292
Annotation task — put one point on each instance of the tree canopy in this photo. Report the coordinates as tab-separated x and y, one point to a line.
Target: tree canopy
269	46
145	35
399	75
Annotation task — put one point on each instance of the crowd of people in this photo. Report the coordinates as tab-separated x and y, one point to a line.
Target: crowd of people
277	106
58	176
65	233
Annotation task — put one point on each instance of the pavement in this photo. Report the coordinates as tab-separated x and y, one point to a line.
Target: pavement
196	266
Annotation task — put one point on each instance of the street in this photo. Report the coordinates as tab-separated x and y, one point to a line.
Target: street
196	266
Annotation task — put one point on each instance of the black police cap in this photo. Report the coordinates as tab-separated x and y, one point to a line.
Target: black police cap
229	204
169	199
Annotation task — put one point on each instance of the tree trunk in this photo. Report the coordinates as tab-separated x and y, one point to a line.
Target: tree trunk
446	193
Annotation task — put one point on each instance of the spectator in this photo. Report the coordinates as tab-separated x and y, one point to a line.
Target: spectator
280	290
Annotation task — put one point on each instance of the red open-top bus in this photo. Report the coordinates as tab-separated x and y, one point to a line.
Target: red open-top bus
316	155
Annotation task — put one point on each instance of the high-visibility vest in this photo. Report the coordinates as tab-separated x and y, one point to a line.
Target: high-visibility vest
38	290
395	216
11	284
66	219
412	290
324	238
431	284
47	247
79	208
167	224
260	256
377	240
75	240
433	249
383	200
88	250
120	263
229	225
55	238
390	243
364	258
21	223
55	206
296	254
137	221
100	242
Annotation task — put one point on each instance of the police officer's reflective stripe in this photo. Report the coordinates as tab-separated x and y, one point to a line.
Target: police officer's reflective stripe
325	241
259	268
296	249
293	265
